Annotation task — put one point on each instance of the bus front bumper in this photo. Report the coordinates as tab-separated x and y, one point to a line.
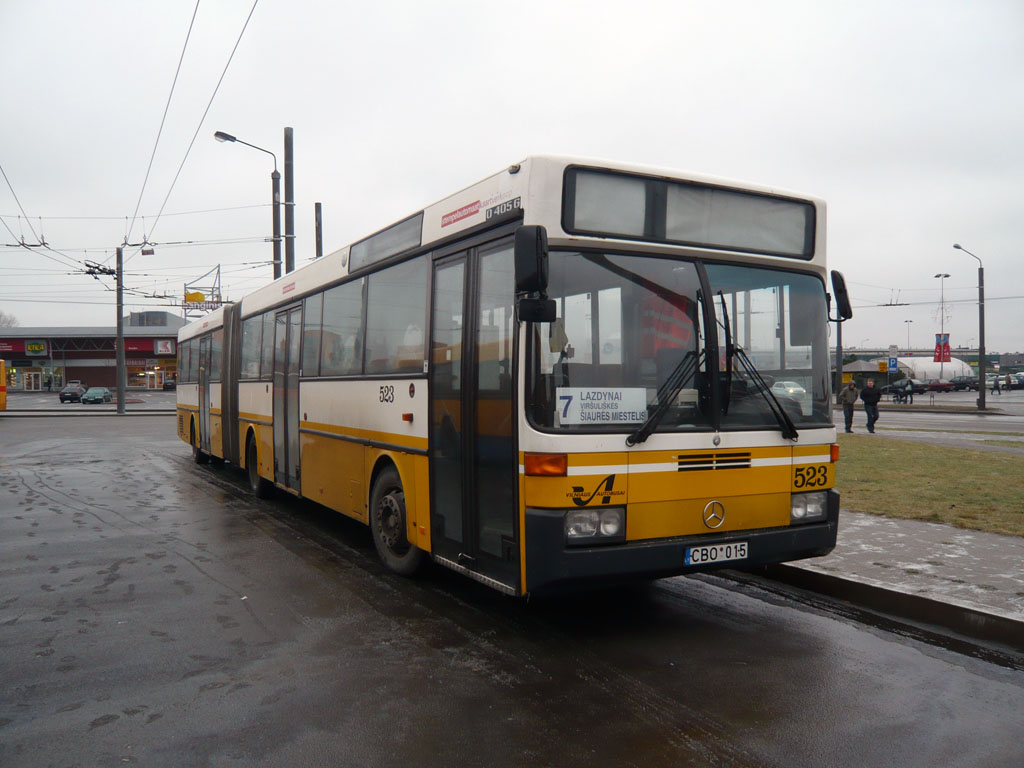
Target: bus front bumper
549	563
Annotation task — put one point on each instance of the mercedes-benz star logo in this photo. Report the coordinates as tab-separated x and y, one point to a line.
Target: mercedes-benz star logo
714	514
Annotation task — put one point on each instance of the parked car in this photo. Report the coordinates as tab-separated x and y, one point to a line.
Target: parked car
939	385
170	384
902	386
97	395
965	382
78	383
791	388
72	393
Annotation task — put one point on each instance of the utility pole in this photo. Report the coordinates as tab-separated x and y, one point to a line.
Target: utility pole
289	203
981	326
94	269
121	383
319	222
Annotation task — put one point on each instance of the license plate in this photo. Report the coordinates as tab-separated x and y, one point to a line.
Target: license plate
718	553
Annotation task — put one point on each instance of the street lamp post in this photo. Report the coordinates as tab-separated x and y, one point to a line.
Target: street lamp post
942	320
275	197
908	322
981	327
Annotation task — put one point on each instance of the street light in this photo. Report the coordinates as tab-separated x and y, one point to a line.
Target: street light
942	319
908	322
981	327
275	192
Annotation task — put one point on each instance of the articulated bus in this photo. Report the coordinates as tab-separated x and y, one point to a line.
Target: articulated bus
570	371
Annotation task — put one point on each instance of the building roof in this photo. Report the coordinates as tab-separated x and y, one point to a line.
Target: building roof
87	332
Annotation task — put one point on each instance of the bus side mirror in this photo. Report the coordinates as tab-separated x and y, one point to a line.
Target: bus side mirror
536	310
531	254
842	297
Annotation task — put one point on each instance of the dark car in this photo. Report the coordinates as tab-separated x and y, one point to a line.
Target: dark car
72	393
905	386
170	384
97	395
969	383
939	385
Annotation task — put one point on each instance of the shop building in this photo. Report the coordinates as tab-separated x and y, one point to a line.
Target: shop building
41	359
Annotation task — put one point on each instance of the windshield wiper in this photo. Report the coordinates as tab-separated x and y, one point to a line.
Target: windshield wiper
788	427
666	395
729	351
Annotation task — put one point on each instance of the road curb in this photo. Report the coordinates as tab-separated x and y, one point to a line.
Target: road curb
965	620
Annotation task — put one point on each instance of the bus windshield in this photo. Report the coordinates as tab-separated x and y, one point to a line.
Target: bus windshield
632	346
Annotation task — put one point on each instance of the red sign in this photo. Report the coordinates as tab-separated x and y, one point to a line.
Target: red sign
462	213
941	348
12	346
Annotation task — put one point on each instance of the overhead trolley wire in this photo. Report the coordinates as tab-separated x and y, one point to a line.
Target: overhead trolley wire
20	208
201	121
163	120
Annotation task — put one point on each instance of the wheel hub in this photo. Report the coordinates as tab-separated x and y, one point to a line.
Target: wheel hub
391	522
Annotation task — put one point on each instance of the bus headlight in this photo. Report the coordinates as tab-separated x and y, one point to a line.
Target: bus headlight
808	507
586	527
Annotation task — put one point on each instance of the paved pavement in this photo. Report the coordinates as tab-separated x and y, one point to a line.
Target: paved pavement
968	581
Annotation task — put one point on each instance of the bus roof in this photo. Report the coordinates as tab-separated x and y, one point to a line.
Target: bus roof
533	186
209	322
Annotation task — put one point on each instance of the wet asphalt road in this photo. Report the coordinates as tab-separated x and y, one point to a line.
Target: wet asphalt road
151	613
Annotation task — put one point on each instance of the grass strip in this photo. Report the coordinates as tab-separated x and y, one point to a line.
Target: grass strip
967	488
951	431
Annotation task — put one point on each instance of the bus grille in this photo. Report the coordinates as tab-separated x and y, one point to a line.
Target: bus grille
705	461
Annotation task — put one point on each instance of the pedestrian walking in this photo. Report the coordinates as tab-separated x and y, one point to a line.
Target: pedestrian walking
848	398
871	396
995	386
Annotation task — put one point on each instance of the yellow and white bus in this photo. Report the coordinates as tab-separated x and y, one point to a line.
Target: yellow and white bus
572	370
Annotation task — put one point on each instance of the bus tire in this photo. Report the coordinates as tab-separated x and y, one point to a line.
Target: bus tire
198	455
387	522
260	486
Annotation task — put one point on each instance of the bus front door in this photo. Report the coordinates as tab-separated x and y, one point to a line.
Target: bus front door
204	393
474	470
287	337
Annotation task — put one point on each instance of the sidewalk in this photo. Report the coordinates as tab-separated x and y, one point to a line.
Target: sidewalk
969	581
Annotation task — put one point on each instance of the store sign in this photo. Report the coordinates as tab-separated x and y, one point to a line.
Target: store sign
7	347
36	348
197	301
163	347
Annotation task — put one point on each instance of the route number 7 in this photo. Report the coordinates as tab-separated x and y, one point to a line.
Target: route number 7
568	399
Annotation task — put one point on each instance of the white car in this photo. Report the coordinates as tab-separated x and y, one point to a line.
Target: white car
791	388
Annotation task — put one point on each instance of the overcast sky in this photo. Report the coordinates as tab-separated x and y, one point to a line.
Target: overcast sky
907	117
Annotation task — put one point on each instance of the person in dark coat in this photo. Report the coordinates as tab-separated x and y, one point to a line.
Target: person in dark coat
848	399
871	396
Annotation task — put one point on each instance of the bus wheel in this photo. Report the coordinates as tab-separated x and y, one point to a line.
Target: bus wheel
260	486
387	521
198	456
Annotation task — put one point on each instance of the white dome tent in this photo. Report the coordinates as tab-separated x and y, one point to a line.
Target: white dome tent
923	368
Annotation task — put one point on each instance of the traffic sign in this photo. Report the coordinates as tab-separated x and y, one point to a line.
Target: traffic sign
893	365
